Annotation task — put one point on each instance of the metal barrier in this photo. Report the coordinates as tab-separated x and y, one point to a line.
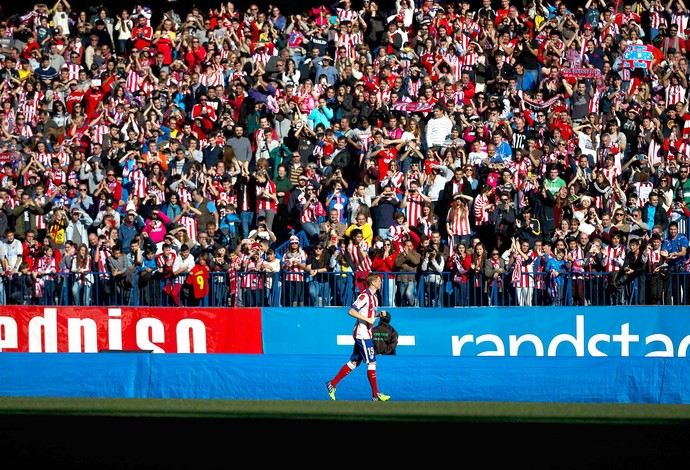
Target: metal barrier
339	289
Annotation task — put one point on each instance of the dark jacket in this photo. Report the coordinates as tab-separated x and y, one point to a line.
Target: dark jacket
660	215
385	336
503	218
542	203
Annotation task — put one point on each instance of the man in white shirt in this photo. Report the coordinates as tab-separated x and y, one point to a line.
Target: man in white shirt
438	128
184	262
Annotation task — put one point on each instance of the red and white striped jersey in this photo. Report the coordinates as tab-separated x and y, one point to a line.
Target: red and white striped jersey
117	117
455	64
73	178
656	17
594	102
263	201
615	256
139	182
44	158
675	94
63	157
360	256
458	221
40	218
228	196
212	77
56	177
30	110
291	262
24	131
349	41
654	258
395	233
98	132
643	190
481	213
347	14
383	96
191	225
413	87
468	60
577	258
523	271
166	262
156	191
251	279
133	81
311	212
397	178
611	174
260	58
73	71
104	254
366	304
613	29
680	19
682	150
413	209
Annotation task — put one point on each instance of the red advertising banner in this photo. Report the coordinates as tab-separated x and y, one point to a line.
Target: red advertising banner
158	330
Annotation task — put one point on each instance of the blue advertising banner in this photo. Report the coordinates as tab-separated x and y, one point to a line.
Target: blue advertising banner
630	331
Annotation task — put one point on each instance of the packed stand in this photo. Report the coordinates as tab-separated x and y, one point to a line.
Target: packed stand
492	155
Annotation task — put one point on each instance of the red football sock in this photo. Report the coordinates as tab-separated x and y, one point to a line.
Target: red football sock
371	373
346	369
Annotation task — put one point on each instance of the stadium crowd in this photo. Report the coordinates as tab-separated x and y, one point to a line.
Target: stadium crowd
519	153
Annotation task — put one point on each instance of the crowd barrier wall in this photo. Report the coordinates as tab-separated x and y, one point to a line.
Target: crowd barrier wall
588	354
298	377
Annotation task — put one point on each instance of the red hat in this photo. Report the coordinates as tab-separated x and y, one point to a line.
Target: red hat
588	26
256	245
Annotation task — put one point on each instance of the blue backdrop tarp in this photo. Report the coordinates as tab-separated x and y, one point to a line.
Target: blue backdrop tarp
302	377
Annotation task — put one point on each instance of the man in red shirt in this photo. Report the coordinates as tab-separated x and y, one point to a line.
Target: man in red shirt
205	112
142	34
92	97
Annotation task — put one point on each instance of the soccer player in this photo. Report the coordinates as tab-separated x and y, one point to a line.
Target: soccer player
364	310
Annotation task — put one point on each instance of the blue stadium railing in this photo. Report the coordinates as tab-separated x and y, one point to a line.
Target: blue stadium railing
338	289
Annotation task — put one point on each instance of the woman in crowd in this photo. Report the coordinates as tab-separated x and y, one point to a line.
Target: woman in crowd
60	114
318	268
82	277
494	268
458	224
459	264
478	296
294	266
